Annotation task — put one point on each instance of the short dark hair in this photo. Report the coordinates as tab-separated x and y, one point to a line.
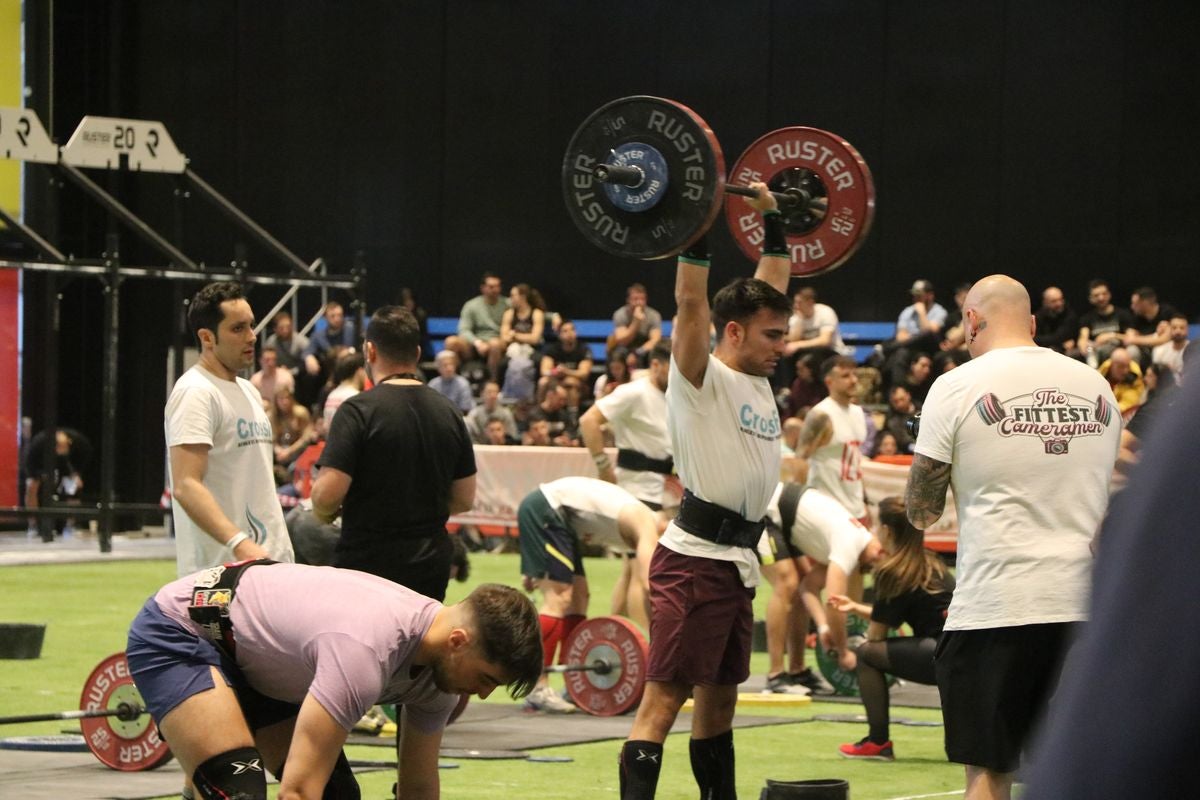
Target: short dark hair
396	335
660	352
742	298
346	366
1146	293
1096	283
510	634
829	364
205	309
488	276
281	315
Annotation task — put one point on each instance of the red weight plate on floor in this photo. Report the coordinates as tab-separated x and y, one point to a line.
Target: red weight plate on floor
129	746
618	643
824	235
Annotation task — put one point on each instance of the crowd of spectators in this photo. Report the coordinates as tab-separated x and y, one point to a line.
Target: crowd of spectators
521	375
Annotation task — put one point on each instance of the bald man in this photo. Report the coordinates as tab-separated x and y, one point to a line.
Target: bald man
1057	324
1028	438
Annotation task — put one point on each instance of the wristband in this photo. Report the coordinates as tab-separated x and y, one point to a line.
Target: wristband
774	235
236	539
822	629
602	461
697	254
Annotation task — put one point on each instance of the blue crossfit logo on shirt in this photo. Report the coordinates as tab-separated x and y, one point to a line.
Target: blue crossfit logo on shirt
755	424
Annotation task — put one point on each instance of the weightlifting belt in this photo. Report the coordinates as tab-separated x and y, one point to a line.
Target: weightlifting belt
714	523
212	594
789	502
632	459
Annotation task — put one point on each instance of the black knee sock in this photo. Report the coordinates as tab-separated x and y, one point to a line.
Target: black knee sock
712	764
640	764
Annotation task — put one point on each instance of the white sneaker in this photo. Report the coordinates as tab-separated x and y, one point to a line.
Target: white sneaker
546	699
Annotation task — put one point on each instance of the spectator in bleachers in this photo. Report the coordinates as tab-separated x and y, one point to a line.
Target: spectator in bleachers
408	300
806	391
954	339
522	333
1125	377
919	377
563	421
812	330
1151	325
538	434
885	444
1057	324
326	345
569	360
636	326
918	329
349	378
1170	353
289	346
270	376
616	373
1157	380
489	410
479	326
1102	328
450	384
495	433
900	409
292	427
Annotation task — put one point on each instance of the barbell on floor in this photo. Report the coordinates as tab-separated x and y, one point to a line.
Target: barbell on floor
644	177
126	712
604	665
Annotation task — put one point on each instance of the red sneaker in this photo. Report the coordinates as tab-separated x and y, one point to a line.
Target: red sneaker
865	748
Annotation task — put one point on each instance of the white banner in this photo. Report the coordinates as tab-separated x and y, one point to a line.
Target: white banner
507	474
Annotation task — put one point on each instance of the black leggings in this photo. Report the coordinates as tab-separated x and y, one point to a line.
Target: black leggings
906	657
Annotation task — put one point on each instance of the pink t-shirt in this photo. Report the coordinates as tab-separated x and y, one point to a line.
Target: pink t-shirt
345	637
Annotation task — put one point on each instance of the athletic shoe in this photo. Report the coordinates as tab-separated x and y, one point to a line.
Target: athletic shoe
546	699
374	722
779	684
866	749
811	681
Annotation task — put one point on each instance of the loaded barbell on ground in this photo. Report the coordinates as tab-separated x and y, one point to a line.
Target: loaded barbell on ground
605	665
126	712
644	177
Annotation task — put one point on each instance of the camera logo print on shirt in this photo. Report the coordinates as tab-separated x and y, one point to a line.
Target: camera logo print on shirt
1052	415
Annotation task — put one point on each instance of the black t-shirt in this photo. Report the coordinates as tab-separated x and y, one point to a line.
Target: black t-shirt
924	612
1054	329
403	446
1118	321
1148	326
561	356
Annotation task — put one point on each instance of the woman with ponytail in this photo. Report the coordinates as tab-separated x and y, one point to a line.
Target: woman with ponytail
913	586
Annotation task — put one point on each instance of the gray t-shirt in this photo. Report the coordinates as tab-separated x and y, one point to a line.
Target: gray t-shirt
624	315
479	320
345	637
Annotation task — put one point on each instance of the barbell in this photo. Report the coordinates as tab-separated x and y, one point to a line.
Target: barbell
605	665
644	177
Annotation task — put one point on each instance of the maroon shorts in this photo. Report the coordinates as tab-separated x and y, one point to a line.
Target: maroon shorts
701	621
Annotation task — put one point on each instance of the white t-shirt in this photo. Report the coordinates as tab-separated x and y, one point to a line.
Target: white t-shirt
823	318
637	415
823	530
836	468
333	401
228	416
1031	436
726	441
1167	355
591	507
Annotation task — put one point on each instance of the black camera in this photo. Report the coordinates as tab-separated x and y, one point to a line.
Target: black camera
913	425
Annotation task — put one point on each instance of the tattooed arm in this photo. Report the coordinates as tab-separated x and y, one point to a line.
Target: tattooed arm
816	433
925	495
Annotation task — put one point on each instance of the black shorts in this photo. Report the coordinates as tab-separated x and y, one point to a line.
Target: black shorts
995	684
778	546
549	548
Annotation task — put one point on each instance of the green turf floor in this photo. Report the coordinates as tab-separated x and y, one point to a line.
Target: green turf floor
88	606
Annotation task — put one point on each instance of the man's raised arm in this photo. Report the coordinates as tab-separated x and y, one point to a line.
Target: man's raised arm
689	337
775	264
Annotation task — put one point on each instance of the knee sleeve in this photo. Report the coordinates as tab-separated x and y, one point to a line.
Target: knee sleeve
232	775
342	784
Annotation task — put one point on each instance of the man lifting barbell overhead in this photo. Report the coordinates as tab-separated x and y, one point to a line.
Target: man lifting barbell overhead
704	570
1028	438
260	665
553	520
